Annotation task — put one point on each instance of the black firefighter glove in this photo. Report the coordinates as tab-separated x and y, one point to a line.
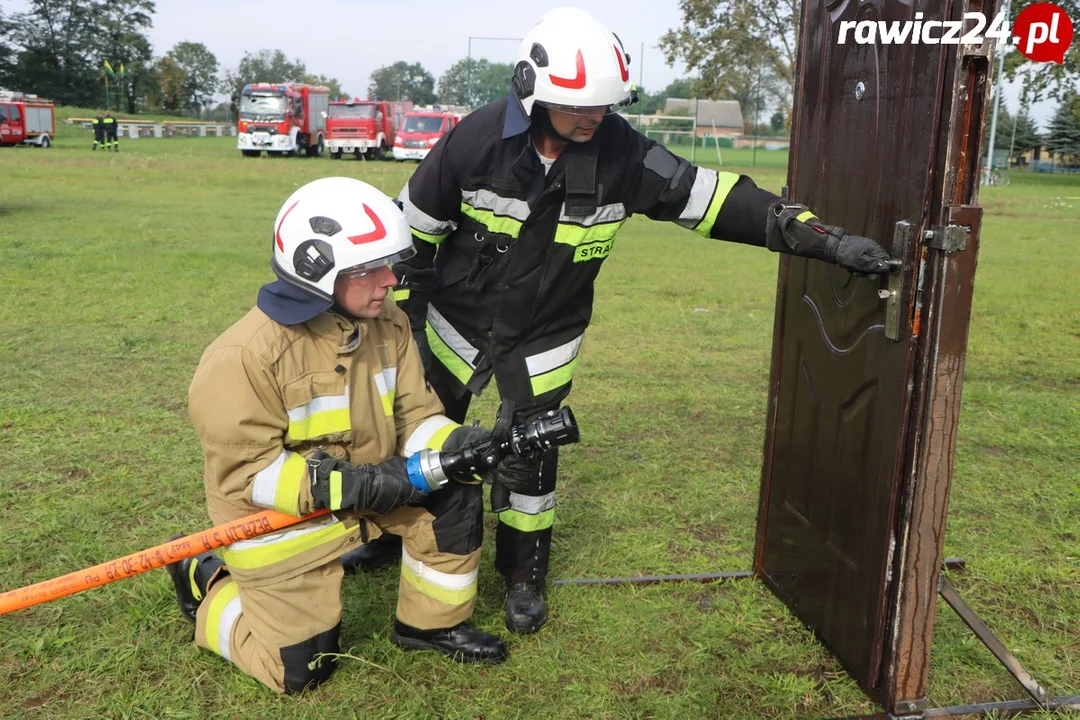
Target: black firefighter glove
513	475
465	436
808	237
340	485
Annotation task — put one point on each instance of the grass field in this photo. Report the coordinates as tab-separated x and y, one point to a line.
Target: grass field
116	270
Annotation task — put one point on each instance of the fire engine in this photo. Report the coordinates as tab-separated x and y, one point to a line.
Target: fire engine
26	119
282	119
420	131
363	127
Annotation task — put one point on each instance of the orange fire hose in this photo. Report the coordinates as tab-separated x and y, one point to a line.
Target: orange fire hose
158	556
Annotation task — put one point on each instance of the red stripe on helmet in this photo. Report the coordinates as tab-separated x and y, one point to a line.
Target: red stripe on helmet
574	83
277	231
622	65
377	234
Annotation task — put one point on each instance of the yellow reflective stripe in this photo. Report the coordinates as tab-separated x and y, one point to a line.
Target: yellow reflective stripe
423	434
438	438
804	216
195	591
494	223
724	182
227	594
287	493
571	234
457	367
386	384
554	379
258	556
400	295
437	592
335	489
321	423
433	239
527	523
589	243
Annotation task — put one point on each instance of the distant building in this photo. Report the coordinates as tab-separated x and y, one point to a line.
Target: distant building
1041	159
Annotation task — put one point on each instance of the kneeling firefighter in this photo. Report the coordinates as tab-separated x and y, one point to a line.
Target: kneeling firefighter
313	400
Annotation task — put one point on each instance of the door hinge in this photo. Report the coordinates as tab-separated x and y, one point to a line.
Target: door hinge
947	238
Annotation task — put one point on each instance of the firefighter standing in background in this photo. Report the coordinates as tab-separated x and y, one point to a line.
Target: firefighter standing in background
310	401
111	143
99	131
514	212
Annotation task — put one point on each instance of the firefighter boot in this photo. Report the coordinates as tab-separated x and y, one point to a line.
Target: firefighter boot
462	642
192	578
373	554
526	611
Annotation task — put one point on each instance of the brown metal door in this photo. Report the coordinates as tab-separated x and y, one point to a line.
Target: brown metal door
865	156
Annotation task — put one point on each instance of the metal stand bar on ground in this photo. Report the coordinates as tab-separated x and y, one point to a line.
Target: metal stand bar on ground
655	579
1040	700
992	643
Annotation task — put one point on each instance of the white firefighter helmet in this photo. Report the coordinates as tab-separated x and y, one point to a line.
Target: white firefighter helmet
569	60
328	227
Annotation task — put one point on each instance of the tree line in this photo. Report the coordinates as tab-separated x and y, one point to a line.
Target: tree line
736	49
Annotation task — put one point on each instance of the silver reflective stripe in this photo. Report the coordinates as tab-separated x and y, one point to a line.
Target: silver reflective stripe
422	435
386	381
554	358
228	619
700	197
420	220
604	214
437	577
264	489
500	206
452	337
320	404
532	505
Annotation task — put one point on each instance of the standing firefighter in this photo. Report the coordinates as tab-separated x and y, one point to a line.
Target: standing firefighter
514	212
310	401
99	131
111	143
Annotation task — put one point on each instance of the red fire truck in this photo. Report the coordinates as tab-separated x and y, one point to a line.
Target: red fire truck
282	119
419	133
26	119
363	127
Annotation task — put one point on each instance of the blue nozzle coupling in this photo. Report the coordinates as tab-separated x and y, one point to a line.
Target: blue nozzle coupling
416	473
425	471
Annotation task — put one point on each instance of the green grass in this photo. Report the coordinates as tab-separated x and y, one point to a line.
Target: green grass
116	270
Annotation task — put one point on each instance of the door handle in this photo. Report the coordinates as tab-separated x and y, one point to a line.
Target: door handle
897	292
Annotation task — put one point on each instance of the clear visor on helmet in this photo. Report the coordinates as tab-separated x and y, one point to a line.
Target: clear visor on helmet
593	111
371	266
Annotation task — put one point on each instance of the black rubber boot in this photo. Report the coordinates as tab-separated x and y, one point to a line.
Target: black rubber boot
373	554
192	578
526	611
462	642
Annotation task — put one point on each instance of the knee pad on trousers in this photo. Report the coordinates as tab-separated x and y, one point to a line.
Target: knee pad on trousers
304	669
459	518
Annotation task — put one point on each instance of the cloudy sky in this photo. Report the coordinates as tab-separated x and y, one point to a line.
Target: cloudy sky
348	39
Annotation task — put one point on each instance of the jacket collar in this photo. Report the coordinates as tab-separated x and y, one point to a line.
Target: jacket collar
515	121
334	327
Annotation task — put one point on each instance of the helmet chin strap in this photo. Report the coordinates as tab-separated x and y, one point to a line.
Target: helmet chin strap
541	124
